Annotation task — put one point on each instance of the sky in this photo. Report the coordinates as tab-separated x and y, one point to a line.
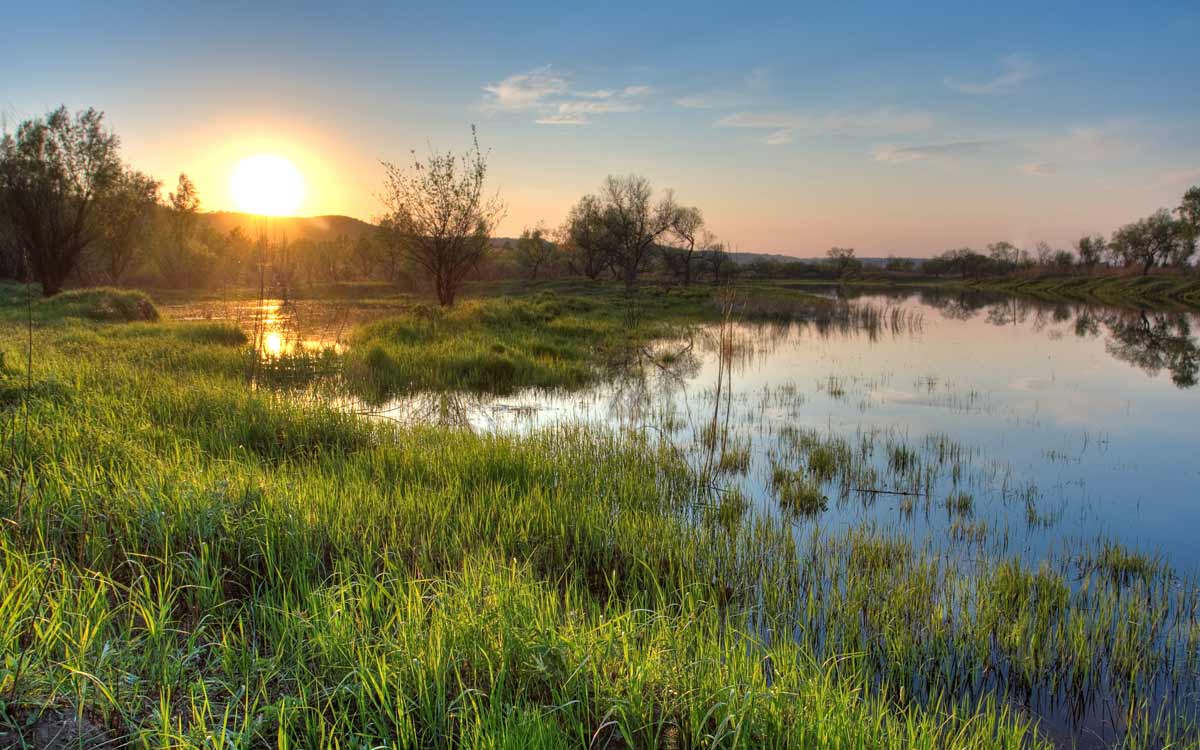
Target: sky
888	128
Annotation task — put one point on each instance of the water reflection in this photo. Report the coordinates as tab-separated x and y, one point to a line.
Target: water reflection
1155	342
278	327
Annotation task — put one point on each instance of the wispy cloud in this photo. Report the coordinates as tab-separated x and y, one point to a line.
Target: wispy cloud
1039	169
550	95
597	107
1016	69
785	126
780	137
524	91
903	154
563	119
709	100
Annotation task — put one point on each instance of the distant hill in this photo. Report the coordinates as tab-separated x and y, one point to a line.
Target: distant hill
745	259
316	228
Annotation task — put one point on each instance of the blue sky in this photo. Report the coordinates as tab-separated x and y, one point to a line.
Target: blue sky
885	128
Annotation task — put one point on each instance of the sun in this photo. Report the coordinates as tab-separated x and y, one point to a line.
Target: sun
267	185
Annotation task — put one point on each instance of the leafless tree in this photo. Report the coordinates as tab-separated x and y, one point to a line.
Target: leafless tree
441	214
633	222
686	226
714	259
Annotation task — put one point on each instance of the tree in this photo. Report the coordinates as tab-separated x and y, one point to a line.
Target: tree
1044	253
583	238
963	260
366	255
1157	239
53	173
842	260
899	265
713	259
686	226
183	259
1189	208
534	251
185	205
1189	213
126	217
1004	256
1062	260
237	253
393	248
441	215
1091	249
633	223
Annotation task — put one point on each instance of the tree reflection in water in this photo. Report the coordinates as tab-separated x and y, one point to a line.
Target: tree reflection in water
1155	341
1151	340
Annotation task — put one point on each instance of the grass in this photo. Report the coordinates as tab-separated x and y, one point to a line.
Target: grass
189	561
1119	287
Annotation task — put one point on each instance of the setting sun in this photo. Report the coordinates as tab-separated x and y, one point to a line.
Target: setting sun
268	185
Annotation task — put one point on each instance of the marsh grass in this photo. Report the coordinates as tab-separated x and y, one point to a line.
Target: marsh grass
190	561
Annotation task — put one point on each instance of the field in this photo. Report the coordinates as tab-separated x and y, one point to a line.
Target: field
200	549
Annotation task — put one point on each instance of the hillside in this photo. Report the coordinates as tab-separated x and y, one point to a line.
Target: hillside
293	228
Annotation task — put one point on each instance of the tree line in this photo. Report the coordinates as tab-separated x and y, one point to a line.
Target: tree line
1164	239
72	212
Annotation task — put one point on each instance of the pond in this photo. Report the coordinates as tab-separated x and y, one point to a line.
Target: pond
978	426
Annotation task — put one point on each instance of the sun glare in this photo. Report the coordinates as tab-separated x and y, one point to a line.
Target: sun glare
267	185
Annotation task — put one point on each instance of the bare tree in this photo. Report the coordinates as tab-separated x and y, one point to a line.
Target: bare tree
53	172
583	238
633	223
686	226
714	259
126	219
534	252
440	212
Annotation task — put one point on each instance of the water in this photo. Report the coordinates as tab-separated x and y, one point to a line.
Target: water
1062	425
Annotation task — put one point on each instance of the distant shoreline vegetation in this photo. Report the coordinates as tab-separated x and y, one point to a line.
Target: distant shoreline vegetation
73	214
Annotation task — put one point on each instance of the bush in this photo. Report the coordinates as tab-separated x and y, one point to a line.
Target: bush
101	303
